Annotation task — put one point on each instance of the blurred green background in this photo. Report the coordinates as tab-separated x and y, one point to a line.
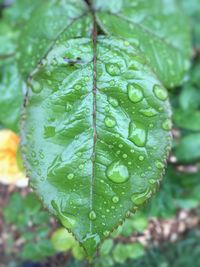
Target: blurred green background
165	233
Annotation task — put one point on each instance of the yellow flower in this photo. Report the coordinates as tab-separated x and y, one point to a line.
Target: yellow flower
9	171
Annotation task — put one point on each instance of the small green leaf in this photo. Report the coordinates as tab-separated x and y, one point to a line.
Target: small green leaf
62	240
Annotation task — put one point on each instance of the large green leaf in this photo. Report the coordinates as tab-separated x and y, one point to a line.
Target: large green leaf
157	27
96	134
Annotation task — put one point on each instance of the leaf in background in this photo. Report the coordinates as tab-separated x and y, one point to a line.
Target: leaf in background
189	148
192	9
187	120
96	134
157	27
11	95
46	25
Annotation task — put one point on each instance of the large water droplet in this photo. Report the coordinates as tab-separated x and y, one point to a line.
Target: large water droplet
137	134
110	122
113	69
92	215
160	92
135	93
117	173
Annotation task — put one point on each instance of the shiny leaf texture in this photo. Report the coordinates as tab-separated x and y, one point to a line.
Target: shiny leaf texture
96	133
157	27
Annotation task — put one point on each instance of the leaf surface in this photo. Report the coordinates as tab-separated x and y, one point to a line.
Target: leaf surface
96	134
157	27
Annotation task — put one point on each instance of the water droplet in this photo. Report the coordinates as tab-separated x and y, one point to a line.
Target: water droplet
92	215
36	87
140	198
115	199
114	102
167	125
117	173
110	122
124	156
141	158
149	112
135	93
159	165
113	69
70	176
106	233
66	219
160	92
81	166
152	181
77	87
126	43
68	107
137	134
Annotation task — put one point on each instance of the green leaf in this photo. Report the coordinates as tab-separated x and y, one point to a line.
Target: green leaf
189	148
51	20
157	27
62	240
96	134
192	9
187	120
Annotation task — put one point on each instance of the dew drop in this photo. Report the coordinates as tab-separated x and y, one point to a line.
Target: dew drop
167	125
160	92
115	199
159	165
149	112
110	122
137	134
66	219
113	69
140	198
70	176
92	215
114	102
68	107
81	167
106	233
135	93
141	158
36	87
117	173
